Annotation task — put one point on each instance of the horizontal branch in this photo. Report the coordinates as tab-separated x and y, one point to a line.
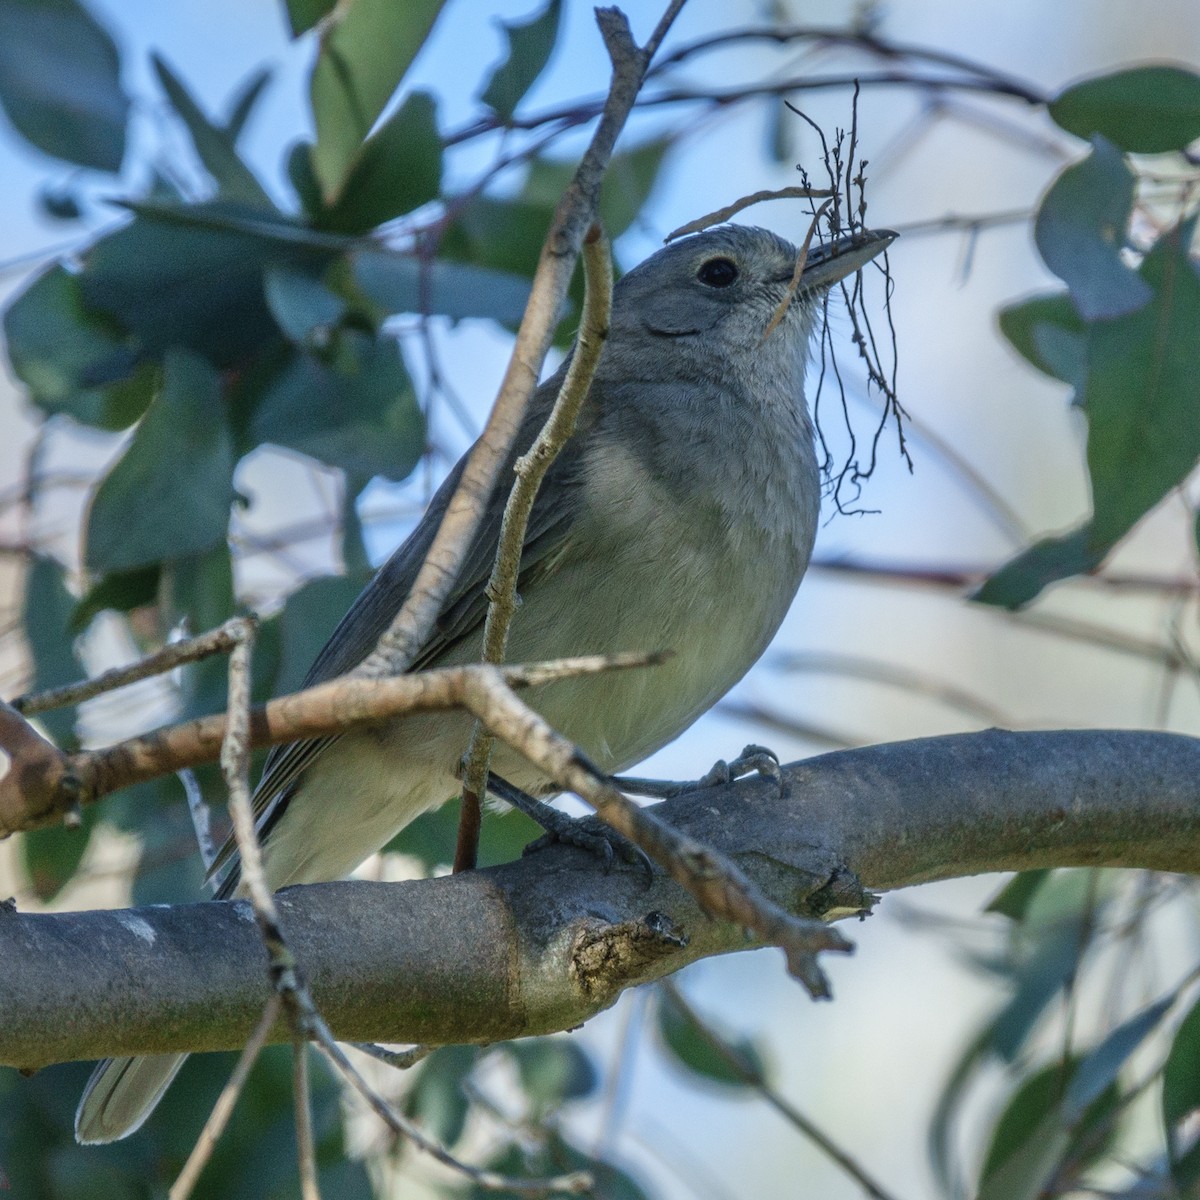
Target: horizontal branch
43	785
544	943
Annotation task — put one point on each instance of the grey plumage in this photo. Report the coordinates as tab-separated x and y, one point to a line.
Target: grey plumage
681	516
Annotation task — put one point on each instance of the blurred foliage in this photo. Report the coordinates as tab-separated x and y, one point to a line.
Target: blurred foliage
217	319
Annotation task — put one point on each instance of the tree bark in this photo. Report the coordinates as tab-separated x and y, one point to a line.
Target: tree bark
544	943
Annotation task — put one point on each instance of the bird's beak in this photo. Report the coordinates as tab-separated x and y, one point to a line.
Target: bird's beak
828	263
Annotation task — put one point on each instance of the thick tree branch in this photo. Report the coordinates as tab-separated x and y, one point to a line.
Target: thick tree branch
544	943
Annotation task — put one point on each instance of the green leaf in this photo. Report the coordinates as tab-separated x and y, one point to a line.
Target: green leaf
1143	394
358	412
172	280
60	82
1047	331
1081	228
1014	898
169	494
46	620
119	591
530	44
437	1100
52	856
695	1053
366	48
1021	581
1097	1071
214	145
67	356
398	169
400	283
245	100
627	186
553	1070
312	613
1146	110
304	14
1181	1102
301	304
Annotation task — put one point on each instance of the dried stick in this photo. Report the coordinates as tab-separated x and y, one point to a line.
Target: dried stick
177	654
181	1189
530	470
45	786
399	645
305	1149
794	283
723	214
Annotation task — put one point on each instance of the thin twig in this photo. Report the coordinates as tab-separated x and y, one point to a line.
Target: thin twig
530	470
216	641
789	294
402	1060
399	645
201	816
750	1074
721	215
306	1151
181	1189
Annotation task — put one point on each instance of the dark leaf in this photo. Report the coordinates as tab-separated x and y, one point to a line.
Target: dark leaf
1014	898
1081	228
66	356
400	283
553	1071
1020	581
244	102
554	1156
120	591
1097	1071
1048	332
1146	110
301	304
365	51
506	235
214	145
300	172
1143	394
46	620
398	168
310	616
169	494
52	856
1035	1139
60	82
1181	1103
529	47
192	276
358	412
304	14
692	1050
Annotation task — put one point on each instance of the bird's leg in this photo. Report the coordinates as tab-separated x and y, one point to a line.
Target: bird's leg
586	833
752	759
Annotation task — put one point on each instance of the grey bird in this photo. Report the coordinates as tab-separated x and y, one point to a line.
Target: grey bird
680	516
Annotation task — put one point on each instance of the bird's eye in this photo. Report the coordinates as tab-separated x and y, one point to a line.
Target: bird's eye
717	272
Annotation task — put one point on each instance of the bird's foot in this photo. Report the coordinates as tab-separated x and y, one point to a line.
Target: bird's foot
753	759
585	833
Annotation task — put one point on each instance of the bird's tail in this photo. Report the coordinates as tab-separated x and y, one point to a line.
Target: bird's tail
121	1094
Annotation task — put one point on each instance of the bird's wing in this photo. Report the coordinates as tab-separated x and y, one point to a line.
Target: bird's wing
463	613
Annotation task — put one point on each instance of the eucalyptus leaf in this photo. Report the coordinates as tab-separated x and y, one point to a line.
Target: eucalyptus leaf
365	50
1081	228
530	44
60	82
400	283
1146	110
169	494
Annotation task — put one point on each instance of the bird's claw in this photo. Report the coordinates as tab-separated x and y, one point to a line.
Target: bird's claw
594	836
753	759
